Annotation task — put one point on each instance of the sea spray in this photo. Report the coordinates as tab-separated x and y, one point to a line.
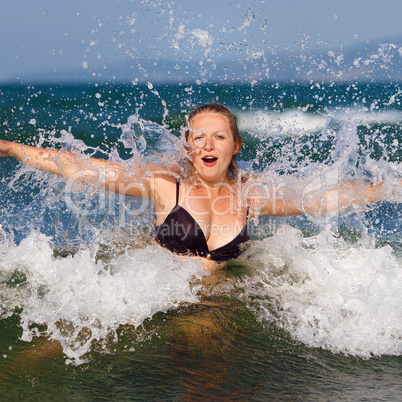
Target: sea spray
95	271
327	288
73	256
148	139
78	299
328	293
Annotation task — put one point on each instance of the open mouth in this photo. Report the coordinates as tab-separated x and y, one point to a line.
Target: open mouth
209	160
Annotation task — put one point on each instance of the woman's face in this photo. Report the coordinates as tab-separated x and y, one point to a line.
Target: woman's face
214	146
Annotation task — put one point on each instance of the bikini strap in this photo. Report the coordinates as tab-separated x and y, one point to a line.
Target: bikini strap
177	191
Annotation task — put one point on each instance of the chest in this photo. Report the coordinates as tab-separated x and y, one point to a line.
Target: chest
219	214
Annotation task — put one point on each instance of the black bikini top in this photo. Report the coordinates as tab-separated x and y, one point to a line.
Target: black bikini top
181	234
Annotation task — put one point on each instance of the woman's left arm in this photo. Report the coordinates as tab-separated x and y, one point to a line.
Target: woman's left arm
291	197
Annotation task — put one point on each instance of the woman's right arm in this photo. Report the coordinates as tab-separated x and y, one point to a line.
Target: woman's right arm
39	158
110	175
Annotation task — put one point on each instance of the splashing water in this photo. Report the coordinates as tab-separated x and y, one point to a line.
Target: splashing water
77	262
79	299
313	305
328	293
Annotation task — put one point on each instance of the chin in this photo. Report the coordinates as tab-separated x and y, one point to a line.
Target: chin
213	179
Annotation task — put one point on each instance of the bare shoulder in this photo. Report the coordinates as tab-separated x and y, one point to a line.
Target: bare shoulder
163	168
253	187
163	186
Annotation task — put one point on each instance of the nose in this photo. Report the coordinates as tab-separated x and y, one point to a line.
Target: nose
209	144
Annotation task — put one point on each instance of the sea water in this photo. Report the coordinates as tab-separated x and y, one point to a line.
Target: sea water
90	308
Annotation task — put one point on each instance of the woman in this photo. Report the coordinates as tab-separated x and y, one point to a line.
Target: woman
203	205
202	210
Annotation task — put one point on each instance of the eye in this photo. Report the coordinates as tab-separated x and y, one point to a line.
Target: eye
198	139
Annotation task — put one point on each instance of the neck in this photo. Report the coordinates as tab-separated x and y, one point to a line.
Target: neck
216	187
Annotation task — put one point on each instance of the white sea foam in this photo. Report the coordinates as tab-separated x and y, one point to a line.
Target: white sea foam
70	295
297	122
326	293
291	122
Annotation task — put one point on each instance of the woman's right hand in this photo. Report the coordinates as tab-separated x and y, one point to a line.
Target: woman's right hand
5	148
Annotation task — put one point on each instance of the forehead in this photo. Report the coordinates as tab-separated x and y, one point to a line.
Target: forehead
210	121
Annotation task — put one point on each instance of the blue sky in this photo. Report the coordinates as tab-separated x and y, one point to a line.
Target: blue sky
44	37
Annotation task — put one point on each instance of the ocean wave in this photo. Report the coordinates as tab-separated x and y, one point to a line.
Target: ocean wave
328	293
298	122
78	294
